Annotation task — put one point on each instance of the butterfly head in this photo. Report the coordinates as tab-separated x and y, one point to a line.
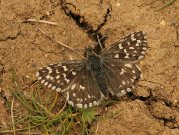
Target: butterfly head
89	52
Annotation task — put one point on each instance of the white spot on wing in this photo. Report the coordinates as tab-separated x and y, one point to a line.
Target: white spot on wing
58	89
135	51
71	103
140	57
57	77
116	56
128	65
57	71
79	105
67	80
65	68
123	82
120	46
90	105
129	90
122	71
131	48
73	86
85	106
94	103
74	94
138	41
46	83
132	80
123	92
39	78
37	74
42	81
50	85
132	37
64	75
48	76
125	50
82	87
58	81
73	73
127	55
49	69
53	87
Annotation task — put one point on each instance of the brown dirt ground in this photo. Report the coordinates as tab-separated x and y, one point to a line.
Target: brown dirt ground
23	48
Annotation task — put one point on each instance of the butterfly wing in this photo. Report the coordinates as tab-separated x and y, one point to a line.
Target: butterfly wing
84	91
131	48
72	77
119	62
120	76
59	76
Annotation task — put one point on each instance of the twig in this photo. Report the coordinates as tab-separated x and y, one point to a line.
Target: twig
63	107
23	133
41	21
12	116
97	129
166	4
62	44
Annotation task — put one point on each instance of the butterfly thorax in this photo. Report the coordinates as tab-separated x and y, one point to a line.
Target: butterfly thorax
93	61
94	64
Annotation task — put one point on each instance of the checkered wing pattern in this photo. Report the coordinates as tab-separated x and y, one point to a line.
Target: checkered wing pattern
72	77
120	58
121	77
84	91
59	76
130	48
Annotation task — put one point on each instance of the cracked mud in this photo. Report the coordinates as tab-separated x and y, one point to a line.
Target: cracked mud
153	108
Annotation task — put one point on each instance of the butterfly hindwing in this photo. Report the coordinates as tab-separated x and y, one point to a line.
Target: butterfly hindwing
72	77
84	91
121	76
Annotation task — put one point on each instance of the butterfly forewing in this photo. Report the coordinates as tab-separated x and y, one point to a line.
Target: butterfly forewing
59	76
120	76
84	91
130	48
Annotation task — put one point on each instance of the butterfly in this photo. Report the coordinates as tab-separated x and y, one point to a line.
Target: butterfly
112	72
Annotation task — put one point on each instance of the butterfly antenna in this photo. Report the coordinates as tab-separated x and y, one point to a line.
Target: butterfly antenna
99	42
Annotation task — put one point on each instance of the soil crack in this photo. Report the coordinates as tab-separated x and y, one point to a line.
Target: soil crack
159	108
11	37
93	34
